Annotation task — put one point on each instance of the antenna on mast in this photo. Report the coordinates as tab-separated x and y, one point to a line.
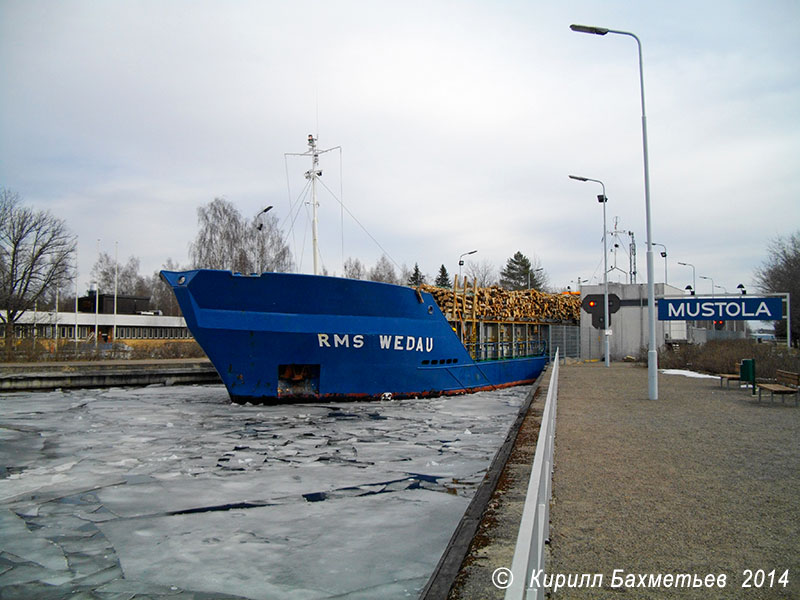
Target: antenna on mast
312	175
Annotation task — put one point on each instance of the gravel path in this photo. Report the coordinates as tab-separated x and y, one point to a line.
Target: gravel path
703	481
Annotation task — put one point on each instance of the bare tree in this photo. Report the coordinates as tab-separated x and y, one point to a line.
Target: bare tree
354	269
484	272
226	240
129	281
268	250
161	295
218	242
780	273
383	271
405	274
36	251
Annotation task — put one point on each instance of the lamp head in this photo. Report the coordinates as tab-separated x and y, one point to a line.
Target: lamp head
589	29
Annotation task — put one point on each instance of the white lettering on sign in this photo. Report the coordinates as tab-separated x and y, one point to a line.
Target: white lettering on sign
406	343
673	310
715	309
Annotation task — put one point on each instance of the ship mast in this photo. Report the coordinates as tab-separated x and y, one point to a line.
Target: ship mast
312	175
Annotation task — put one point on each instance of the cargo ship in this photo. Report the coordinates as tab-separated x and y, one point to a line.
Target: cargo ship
278	337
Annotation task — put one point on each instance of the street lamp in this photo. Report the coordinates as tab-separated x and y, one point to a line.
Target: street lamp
260	226
579	280
694	278
260	244
664	256
604	200
94	286
712	284
534	271
652	351
461	261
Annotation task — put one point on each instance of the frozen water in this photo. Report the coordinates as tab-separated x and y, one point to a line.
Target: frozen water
174	491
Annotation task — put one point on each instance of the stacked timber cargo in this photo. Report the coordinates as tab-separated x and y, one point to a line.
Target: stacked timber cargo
496	304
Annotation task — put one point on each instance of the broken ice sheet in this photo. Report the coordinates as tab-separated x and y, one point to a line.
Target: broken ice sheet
168	489
302	550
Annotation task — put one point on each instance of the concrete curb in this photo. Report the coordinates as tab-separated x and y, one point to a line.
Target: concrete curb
38	376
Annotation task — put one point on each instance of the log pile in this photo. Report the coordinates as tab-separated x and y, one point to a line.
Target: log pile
495	303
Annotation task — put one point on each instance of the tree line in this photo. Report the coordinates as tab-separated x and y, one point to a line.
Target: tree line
38	256
228	240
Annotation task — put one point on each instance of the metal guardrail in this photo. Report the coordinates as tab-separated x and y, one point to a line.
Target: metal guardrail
534	529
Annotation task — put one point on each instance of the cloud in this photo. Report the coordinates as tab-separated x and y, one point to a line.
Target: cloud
459	124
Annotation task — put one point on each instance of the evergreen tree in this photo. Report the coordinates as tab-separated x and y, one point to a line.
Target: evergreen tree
520	274
443	278
417	278
515	274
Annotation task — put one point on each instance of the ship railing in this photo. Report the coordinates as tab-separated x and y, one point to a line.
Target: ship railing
505	350
534	528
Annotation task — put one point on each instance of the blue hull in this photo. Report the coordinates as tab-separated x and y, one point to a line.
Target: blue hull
281	336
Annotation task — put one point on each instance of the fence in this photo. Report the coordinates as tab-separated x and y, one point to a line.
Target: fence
567	338
534	529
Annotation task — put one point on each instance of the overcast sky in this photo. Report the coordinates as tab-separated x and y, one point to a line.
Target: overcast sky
459	124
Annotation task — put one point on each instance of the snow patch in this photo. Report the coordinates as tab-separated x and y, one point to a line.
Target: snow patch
686	373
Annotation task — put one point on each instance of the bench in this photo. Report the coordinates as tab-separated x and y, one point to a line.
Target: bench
787	383
727	378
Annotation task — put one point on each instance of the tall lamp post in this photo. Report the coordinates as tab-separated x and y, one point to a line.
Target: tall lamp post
604	200
712	283
652	351
461	262
694	274
533	271
260	244
664	256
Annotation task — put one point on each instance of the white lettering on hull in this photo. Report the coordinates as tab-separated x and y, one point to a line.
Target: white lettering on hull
402	343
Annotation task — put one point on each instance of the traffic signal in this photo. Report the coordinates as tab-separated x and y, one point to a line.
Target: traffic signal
719	325
593	304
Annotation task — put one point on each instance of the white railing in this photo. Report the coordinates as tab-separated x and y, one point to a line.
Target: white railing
534	528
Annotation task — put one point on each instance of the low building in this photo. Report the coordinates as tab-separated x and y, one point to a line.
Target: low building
125	305
82	326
